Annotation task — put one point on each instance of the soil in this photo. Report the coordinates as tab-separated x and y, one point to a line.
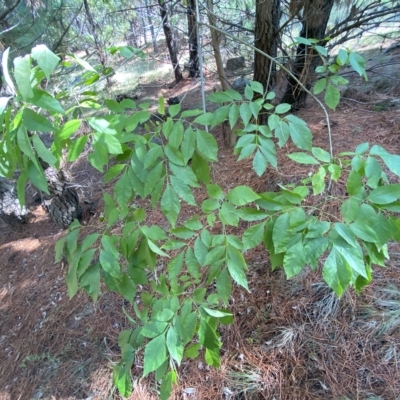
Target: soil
290	339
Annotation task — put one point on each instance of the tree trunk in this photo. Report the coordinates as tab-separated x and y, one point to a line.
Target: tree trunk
63	202
215	40
171	44
194	70
315	19
10	210
266	39
93	31
153	36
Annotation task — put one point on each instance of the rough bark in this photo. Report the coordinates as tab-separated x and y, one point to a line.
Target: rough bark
194	70
10	210
63	202
266	39
171	44
315	19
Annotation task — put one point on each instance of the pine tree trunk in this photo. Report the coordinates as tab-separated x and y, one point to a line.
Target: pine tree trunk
315	20
171	44
194	70
63	202
266	39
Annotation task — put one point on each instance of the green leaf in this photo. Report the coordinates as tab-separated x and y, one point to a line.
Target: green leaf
321	50
45	100
317	228
201	168
45	58
269	151
299	133
335	170
320	86
192	351
191	113
236	266
110	263
294	259
318	181
233	115
42	151
174	345
248	92
273	121
321	154
212	358
392	161
362	148
302	40
358	64
127	288
59	250
155	354
206	145
260	163
242	195
253	236
36	122
332	96
68	129
373	171
245	113
282	133
121	373
166	385
342	57
22	73
336	272
280	235
385	194
170	205
200	251
154	328
282	108
349	209
208	336
205	119
303	158
224	285
354	183
182	190
346	233
175	265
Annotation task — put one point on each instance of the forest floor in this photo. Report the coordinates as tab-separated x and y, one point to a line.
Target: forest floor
291	339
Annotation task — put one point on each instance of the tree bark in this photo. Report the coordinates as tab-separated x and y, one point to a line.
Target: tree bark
215	40
63	202
266	39
10	210
171	44
315	19
194	70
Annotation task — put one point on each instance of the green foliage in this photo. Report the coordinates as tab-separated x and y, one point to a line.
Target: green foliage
176	311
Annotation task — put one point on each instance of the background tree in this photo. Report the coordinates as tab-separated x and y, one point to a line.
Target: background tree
171	43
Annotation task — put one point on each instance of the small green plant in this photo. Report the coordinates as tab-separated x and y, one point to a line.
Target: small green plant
178	309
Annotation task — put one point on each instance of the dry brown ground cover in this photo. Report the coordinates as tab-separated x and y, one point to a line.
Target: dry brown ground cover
290	339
